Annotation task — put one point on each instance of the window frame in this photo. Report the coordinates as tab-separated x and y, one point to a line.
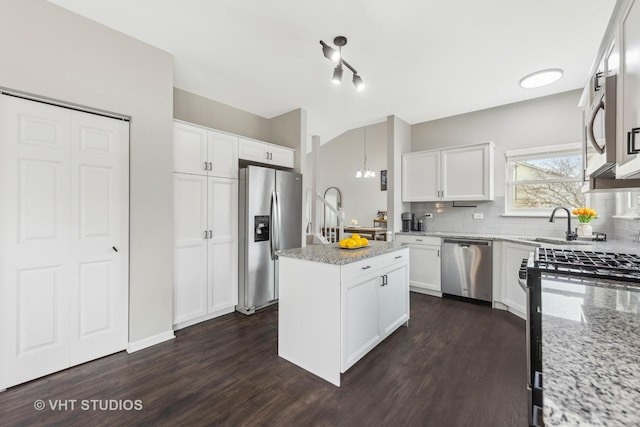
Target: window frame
537	153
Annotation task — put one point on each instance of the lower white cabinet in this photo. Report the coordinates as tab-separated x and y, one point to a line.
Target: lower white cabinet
507	293
206	248
330	316
424	274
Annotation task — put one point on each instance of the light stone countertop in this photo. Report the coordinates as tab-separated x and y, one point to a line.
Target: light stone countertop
620	246
333	254
590	353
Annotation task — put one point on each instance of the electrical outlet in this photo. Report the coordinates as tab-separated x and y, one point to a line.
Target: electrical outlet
428	215
478	216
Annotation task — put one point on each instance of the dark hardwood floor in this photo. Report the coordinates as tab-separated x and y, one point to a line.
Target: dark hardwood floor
457	364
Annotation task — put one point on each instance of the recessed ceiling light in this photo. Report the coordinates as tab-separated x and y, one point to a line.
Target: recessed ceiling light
541	78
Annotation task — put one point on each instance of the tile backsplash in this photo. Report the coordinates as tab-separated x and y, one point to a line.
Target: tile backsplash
461	219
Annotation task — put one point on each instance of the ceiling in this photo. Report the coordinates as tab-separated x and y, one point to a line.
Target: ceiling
420	59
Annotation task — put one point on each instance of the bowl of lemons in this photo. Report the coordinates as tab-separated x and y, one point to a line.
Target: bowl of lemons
354	242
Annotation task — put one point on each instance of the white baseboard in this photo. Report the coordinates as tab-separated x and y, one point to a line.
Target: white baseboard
425	291
150	341
191	322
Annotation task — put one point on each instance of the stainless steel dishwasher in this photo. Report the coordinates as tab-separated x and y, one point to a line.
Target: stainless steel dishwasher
467	268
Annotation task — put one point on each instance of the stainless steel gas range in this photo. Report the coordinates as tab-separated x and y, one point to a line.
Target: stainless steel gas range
583	313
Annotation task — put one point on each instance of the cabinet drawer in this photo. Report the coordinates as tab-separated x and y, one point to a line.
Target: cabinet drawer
367	267
418	240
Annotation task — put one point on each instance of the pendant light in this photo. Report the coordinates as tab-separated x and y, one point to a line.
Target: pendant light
368	173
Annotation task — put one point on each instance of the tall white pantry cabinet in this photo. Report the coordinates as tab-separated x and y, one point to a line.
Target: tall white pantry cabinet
64	233
206	223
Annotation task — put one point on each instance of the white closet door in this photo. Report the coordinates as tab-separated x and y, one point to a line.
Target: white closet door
99	244
34	243
223	246
190	219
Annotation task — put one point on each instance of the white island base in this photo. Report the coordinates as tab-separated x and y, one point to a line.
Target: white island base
335	309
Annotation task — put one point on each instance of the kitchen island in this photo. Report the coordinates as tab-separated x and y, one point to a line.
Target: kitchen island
335	305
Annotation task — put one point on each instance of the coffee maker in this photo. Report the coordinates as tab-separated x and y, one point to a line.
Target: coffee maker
407	221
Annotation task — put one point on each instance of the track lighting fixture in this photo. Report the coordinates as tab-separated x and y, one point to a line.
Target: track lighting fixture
336	56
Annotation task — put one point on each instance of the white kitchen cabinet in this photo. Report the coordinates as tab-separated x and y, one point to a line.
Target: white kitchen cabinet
424	271
421	176
454	174
64	181
629	92
263	152
330	316
202	151
507	293
206	247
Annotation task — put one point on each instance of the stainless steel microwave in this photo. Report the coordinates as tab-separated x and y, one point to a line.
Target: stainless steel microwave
600	133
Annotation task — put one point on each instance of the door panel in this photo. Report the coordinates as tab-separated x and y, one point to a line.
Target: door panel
289	188
281	156
260	183
223	154
394	301
253	150
190	219
223	246
189	149
99	238
421	177
361	324
34	248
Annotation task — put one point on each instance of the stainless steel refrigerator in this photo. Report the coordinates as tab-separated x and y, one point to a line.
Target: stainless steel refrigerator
270	210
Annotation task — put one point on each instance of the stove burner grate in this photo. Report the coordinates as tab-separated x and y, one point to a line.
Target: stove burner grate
605	265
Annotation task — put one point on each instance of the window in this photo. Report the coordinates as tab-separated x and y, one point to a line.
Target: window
541	179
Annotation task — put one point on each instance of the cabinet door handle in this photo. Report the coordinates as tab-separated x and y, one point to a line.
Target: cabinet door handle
210	166
399	256
205	165
366	267
114	248
631	141
438	255
384	280
205	234
210	234
418	240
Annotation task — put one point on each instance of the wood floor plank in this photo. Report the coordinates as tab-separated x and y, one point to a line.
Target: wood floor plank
457	364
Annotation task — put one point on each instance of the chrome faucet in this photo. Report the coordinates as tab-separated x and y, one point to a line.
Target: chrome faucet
571	235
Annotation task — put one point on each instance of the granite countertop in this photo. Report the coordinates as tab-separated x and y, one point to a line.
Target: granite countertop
590	353
620	246
333	254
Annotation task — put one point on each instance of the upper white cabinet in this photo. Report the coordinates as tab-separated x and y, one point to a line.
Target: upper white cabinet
263	152
202	151
629	92
454	174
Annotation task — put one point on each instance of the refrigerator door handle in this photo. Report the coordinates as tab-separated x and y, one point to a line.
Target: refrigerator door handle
272	219
279	218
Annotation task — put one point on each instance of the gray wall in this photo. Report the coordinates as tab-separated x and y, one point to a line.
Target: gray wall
338	161
290	130
197	109
51	52
550	120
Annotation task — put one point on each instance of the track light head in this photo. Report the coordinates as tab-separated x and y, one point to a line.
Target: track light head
358	83
330	53
337	74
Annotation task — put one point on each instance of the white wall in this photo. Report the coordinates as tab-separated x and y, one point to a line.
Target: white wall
398	142
338	161
51	52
